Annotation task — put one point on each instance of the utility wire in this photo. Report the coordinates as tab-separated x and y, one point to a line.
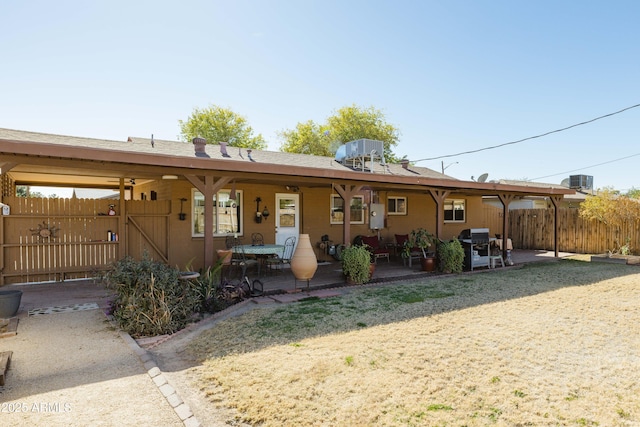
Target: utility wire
586	167
526	139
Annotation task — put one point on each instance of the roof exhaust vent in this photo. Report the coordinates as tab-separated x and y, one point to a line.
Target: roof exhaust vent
223	149
199	144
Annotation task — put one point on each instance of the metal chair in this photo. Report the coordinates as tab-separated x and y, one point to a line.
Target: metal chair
240	260
257	239
277	262
402	240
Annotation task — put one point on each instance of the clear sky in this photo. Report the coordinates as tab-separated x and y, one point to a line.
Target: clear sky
452	76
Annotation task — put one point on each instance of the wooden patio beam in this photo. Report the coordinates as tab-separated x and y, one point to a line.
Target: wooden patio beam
555	200
347	192
506	200
208	188
439	196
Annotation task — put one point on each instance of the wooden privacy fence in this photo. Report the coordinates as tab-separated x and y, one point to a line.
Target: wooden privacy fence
47	239
534	229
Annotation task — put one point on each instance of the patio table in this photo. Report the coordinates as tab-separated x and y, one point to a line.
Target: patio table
260	251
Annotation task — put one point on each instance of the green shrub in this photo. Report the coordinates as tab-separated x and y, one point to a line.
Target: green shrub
356	262
450	256
208	290
150	298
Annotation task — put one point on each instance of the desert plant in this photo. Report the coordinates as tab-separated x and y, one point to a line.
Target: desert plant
207	287
450	256
356	261
150	298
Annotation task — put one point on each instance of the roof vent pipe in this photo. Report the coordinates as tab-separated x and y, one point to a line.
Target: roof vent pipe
404	163
223	149
199	144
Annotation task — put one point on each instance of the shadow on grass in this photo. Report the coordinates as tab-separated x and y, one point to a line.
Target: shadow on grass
391	302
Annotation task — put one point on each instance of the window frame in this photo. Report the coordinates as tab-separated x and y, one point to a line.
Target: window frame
216	223
354	201
396	211
453	210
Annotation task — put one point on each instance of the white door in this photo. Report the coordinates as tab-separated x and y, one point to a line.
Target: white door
287	217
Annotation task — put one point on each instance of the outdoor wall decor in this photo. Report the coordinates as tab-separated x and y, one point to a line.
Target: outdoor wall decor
259	215
44	231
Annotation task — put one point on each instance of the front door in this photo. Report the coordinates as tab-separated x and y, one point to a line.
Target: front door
287	217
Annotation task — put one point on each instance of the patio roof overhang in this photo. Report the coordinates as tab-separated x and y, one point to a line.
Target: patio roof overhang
39	163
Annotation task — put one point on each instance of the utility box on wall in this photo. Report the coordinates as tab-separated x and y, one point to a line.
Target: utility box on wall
376	216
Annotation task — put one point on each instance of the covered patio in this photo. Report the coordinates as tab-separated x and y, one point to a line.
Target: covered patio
329	273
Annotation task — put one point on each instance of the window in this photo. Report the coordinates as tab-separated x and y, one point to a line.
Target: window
226	213
397	205
454	210
337	209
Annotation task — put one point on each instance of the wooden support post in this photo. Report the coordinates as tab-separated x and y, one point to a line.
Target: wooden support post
439	196
208	188
347	192
123	248
506	199
556	224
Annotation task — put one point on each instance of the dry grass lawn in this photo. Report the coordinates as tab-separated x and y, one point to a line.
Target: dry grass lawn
547	344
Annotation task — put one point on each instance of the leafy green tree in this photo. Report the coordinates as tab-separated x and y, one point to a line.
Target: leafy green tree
633	193
347	124
613	209
217	124
24	191
307	138
610	207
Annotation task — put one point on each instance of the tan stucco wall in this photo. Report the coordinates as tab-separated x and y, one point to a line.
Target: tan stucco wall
315	217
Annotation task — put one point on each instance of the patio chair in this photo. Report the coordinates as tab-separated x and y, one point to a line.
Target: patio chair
241	260
414	253
276	262
374	247
257	239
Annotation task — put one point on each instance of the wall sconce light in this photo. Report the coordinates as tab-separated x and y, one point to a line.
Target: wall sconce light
293	188
258	213
182	216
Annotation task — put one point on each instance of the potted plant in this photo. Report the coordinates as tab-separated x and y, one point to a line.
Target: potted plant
450	256
356	264
421	239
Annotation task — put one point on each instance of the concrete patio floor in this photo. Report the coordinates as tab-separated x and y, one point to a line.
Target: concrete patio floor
329	272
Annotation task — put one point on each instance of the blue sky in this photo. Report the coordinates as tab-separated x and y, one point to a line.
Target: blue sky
452	76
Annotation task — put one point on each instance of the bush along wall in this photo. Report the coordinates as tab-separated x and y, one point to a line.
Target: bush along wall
150	298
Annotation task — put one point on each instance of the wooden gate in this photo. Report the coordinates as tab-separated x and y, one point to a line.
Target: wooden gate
46	239
147	228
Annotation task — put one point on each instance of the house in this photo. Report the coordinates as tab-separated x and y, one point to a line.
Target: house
571	201
187	197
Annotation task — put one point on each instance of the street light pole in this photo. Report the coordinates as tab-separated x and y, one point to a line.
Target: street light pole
445	167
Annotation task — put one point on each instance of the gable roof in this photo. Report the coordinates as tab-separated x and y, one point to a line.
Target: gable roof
140	158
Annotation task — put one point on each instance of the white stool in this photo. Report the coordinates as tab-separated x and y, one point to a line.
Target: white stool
494	258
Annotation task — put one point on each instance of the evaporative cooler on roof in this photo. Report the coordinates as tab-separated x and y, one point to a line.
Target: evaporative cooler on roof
581	182
361	153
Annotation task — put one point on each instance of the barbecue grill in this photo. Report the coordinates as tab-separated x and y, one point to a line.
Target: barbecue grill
476	247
